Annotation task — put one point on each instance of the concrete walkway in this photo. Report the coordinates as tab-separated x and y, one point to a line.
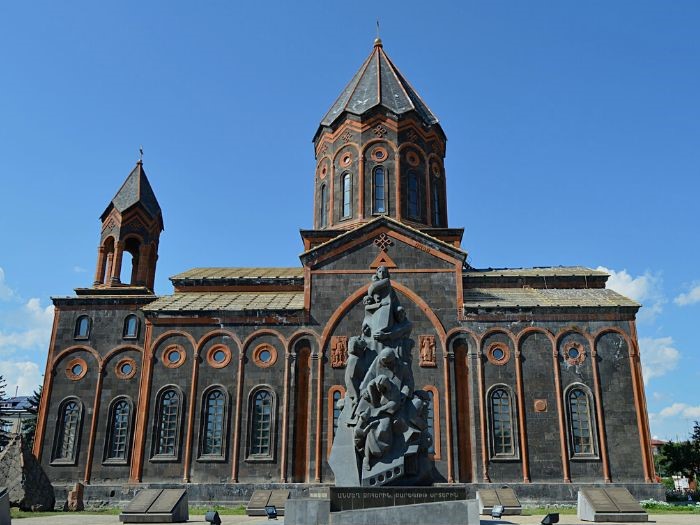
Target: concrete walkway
96	519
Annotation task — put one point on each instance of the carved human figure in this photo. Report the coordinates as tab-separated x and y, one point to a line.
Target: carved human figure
375	431
427	350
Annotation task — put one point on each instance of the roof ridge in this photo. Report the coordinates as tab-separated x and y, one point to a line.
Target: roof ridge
397	75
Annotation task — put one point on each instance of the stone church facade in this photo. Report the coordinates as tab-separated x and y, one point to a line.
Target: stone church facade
534	374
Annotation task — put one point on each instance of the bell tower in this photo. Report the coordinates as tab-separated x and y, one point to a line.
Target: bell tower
379	151
131	227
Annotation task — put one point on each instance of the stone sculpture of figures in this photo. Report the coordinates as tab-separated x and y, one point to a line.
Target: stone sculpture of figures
383	419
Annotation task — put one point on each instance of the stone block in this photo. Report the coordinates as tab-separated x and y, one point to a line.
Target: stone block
4	507
609	505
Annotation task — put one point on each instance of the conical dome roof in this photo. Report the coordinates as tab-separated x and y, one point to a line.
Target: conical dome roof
378	83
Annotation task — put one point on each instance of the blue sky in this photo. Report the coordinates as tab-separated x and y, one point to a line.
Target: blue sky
573	139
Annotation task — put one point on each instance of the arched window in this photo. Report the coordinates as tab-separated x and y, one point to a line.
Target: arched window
261	432
347	195
67	431
131	327
213	423
379	201
581	436
166	436
502	423
324	206
82	327
413	195
117	445
436	205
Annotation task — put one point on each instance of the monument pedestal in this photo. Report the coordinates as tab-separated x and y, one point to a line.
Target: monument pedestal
383	506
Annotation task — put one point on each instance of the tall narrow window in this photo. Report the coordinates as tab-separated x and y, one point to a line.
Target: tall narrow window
502	427
379	204
413	195
580	424
431	421
166	435
213	431
131	327
347	195
261	425
324	206
118	431
82	327
436	205
67	432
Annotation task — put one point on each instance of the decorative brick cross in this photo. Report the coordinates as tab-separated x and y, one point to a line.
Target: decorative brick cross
383	242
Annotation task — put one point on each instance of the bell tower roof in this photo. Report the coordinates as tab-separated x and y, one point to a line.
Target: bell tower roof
378	82
135	190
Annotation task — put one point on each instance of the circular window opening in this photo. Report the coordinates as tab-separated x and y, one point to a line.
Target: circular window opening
76	369
379	154
346	159
264	355
574	353
126	368
219	356
498	354
174	356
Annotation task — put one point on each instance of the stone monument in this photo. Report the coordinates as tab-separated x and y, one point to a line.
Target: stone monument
27	484
382	436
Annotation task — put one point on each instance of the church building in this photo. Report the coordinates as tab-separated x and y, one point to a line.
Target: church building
533	374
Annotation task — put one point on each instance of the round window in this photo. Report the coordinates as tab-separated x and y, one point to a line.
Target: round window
126	368
498	354
379	154
264	355
574	353
219	356
76	368
174	356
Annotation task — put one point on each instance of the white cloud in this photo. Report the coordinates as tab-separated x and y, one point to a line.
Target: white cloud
6	293
658	356
31	328
22	376
692	297
679	410
645	289
79	269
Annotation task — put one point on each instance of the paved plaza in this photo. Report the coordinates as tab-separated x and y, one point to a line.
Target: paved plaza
96	519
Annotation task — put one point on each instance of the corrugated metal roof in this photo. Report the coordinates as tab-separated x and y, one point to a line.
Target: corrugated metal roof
228	302
534	297
543	271
240	273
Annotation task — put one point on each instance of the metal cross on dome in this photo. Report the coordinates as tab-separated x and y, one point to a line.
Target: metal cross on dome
383	242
